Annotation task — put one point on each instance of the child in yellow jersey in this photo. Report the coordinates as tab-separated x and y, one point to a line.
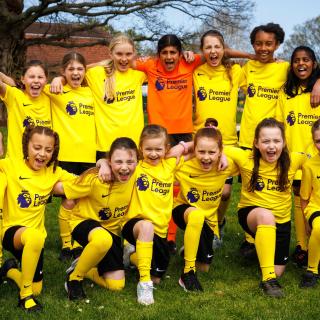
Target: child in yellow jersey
73	118
149	213
29	184
216	84
29	106
96	223
195	208
265	203
310	204
117	92
295	111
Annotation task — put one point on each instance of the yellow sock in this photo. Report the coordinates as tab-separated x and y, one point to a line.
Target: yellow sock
301	236
265	242
76	245
33	242
314	245
115	284
134	259
93	275
15	275
65	232
192	238
37	288
249	238
100	241
144	257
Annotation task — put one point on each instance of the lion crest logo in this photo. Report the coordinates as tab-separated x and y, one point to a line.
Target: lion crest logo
71	108
251	90
143	183
105	214
202	94
24	199
193	195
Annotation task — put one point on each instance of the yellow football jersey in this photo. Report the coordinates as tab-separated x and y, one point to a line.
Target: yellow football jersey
217	98
266	194
152	197
122	117
22	112
203	190
310	185
73	117
27	193
106	203
262	82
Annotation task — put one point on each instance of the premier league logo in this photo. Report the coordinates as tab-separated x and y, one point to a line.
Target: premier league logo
251	90
142	183
28	121
24	199
160	84
105	214
71	108
291	118
193	195
202	94
259	184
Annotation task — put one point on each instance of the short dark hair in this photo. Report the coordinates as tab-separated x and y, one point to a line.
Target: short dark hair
269	28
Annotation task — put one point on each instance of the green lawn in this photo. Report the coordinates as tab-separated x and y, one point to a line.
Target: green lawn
230	288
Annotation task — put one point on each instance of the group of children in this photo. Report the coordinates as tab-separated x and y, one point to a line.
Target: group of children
97	112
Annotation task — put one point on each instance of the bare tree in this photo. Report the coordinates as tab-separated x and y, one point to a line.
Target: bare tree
307	34
17	15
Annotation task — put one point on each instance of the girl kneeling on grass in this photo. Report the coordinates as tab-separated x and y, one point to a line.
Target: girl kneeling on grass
29	184
196	206
310	204
96	222
265	203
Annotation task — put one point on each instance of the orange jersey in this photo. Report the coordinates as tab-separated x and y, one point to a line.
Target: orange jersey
170	94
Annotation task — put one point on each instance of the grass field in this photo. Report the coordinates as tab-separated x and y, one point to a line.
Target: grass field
230	288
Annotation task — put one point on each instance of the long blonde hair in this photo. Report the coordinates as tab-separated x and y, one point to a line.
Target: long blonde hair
110	83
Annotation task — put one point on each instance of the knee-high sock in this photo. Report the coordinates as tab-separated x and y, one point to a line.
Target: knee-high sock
265	242
100	241
33	242
314	246
65	231
192	238
301	235
144	256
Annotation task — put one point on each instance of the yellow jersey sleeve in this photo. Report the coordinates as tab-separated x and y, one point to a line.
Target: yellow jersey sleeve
263	82
152	197
22	112
122	117
217	97
73	117
105	203
310	185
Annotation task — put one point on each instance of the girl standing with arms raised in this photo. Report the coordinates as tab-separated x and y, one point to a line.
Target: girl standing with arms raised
29	106
295	111
73	118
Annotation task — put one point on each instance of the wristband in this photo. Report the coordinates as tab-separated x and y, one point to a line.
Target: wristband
185	148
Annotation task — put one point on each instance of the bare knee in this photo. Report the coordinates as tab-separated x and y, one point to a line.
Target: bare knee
143	230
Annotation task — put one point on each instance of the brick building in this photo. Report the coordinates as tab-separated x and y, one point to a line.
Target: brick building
52	55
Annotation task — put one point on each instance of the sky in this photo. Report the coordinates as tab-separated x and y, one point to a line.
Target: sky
287	13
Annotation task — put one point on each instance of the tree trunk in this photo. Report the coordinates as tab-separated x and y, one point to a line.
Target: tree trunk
12	51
